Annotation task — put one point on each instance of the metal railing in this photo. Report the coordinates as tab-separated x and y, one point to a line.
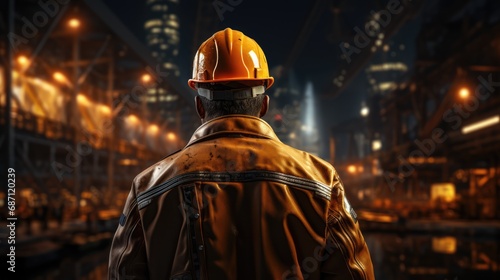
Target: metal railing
54	130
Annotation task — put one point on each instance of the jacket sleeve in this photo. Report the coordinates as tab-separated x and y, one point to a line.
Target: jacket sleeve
346	253
127	258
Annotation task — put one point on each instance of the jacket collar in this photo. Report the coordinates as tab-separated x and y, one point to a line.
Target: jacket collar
233	124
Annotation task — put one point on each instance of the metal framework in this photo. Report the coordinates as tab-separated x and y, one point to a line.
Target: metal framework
439	126
74	95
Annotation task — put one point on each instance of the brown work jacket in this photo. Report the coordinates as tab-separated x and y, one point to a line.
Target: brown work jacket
236	203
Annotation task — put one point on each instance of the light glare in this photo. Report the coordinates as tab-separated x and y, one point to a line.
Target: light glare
351	169
464	93
146	78
171	136
481	124
22	60
74	23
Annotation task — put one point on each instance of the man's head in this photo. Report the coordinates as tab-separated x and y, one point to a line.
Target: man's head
231	75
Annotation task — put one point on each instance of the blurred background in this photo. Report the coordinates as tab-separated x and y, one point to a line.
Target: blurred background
401	96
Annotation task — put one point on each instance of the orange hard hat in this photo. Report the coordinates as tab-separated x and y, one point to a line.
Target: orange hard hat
228	56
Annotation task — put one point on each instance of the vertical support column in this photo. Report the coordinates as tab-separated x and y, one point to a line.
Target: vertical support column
178	124
472	199
76	119
145	114
352	149
144	104
95	164
157	95
52	152
445	177
496	182
10	144
332	148
26	149
497	185
472	183
111	132
397	126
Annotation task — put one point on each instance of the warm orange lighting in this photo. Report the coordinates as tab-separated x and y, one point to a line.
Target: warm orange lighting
22	60
443	191
427	160
464	93
377	217
153	129
105	109
481	124
83	202
74	23
82	99
87	195
146	78
351	169
360	169
171	136
444	245
128	162
58	76
133	119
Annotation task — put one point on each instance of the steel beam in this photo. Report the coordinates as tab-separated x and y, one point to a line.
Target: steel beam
46	36
111	134
76	121
98	55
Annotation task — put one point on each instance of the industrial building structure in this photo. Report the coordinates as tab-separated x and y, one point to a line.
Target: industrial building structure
429	145
78	124
163	40
162	33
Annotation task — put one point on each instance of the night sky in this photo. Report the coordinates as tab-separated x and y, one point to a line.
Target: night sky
276	26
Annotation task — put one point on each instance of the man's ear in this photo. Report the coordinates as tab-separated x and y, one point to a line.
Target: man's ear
199	107
265	106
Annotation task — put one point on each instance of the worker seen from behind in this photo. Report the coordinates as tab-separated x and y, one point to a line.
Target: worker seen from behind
235	202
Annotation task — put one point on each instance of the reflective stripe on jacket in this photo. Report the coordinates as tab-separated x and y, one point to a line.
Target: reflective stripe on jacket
236	203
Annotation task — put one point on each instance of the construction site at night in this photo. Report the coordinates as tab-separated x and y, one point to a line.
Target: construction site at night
402	98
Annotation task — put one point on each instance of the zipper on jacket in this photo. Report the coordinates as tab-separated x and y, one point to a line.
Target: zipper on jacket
189	198
128	234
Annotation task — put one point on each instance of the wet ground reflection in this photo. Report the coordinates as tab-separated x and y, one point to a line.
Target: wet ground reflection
395	257
92	266
402	257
